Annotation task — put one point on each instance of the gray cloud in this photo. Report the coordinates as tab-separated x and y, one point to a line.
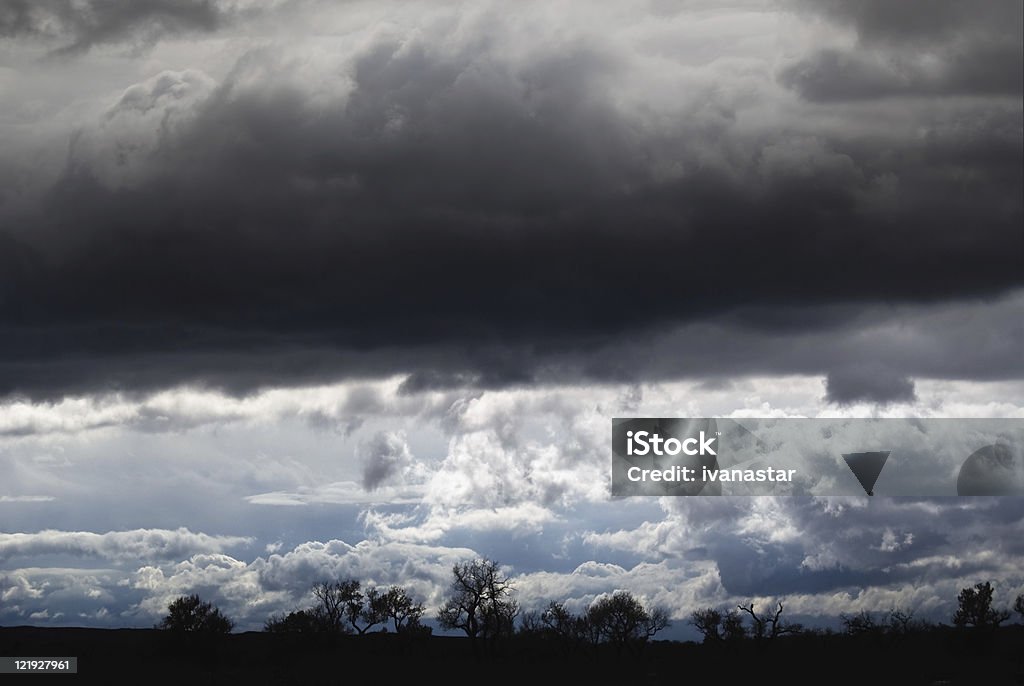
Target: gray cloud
834	75
80	26
839	547
65	597
137	544
433	206
871	383
923	21
436	200
915	49
383	457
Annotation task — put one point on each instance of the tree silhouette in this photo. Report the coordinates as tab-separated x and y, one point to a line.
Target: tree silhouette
860	624
560	621
557	623
770	625
708	621
717	626
342	607
732	626
530	625
620	619
480	601
1018	605
191	615
365	610
399	607
975	608
902	622
332	601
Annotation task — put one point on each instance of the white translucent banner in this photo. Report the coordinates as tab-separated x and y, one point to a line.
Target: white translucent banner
916	457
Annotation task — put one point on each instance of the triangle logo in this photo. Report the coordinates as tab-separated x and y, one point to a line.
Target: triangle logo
866	467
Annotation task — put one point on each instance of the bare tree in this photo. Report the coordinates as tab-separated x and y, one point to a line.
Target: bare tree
901	622
860	624
757	626
480	602
975	608
530	624
770	625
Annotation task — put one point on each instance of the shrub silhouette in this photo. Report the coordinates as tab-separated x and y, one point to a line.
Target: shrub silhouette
342	607
298	622
191	615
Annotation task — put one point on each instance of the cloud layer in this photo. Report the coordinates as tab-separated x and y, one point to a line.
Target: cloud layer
452	193
823	557
304	289
140	544
272	488
82	25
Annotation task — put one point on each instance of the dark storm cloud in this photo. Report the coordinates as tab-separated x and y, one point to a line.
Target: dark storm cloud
853	75
916	49
870	383
458	217
79	26
879	21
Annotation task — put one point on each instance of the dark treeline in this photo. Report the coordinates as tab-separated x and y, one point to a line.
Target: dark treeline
481	604
613	640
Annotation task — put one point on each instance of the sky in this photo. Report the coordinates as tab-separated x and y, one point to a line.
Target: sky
298	290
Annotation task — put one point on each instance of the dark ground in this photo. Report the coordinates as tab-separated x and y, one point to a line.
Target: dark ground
139	656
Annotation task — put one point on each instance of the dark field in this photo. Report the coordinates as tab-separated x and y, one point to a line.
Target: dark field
138	656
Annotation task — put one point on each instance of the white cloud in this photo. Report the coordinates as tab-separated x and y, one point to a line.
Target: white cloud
251	592
488	472
136	544
893	541
340	493
519	521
